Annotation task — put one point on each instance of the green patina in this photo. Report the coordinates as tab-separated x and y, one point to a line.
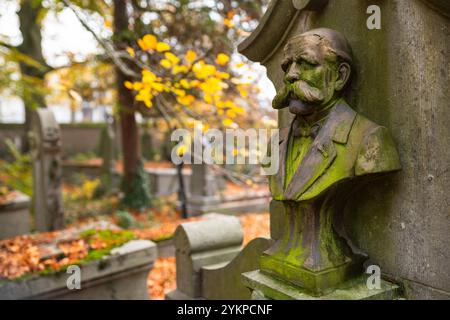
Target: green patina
295	154
163	237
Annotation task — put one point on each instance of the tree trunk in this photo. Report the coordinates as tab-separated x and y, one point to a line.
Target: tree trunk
134	185
32	95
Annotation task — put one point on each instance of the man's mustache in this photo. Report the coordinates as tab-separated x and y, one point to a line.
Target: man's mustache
299	90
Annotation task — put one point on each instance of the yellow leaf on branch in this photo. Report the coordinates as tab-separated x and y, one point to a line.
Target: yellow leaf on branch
223	75
186	100
208	98
128	85
181	150
137	86
222	59
172	58
166	63
148	76
228	23
191	56
179	92
185	84
227	122
203	70
242	91
162	47
159	87
131	52
148	42
179	69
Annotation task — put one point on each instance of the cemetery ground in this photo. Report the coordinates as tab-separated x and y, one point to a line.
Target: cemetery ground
97	225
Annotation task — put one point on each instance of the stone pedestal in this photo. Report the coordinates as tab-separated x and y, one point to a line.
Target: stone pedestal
264	286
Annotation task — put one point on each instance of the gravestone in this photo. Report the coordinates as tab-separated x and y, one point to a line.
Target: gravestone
399	81
204	189
210	259
209	193
202	243
45	139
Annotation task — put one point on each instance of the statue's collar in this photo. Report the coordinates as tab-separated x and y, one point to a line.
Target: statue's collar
322	152
337	126
341	120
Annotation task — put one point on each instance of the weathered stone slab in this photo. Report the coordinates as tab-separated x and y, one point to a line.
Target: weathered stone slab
267	287
203	243
15	217
120	275
166	248
223	281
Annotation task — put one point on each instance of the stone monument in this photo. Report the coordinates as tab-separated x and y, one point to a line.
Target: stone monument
324	155
328	214
45	139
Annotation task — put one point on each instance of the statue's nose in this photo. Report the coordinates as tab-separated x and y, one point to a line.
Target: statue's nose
293	73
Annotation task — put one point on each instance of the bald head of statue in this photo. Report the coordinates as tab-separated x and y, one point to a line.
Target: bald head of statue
317	66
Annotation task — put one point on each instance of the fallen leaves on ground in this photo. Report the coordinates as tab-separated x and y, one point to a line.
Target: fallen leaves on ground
162	278
254	226
52	251
22	255
7	195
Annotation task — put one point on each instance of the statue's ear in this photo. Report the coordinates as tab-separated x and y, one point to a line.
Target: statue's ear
344	71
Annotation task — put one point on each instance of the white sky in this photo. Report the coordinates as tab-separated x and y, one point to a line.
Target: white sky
64	33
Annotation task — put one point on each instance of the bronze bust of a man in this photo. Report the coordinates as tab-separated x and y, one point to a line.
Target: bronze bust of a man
325	152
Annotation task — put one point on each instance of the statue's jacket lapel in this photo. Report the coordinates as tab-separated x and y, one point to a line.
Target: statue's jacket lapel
323	161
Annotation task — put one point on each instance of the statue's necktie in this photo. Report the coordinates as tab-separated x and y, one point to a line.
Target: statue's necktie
300	128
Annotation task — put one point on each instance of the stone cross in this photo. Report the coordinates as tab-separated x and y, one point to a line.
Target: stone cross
45	139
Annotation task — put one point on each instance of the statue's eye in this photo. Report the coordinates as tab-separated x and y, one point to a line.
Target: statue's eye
285	65
309	64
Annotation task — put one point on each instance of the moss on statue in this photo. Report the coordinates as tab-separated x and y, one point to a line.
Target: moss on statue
136	192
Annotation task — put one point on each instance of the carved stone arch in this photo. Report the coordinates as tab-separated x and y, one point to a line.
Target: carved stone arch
276	22
443	6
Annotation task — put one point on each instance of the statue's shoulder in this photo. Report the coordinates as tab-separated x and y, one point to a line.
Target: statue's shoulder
377	152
